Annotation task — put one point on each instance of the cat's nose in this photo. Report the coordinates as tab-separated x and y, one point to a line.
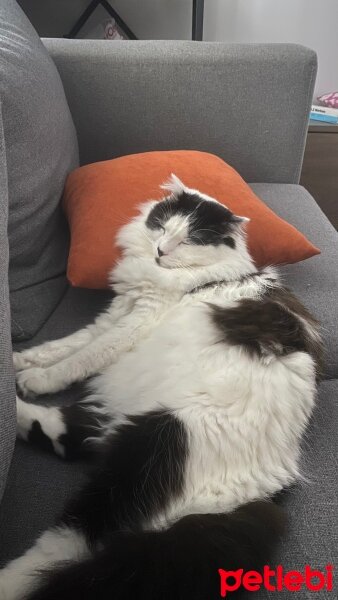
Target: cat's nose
159	252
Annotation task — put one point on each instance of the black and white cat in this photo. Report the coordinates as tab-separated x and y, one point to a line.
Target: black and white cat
205	378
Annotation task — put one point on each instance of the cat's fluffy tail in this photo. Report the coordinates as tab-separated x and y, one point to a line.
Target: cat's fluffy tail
180	563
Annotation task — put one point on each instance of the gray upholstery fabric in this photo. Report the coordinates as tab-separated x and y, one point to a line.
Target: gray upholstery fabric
41	148
77	308
312	505
37	488
315	281
7	385
246	103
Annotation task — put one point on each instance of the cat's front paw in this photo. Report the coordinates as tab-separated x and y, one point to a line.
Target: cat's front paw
22	360
37	381
33	357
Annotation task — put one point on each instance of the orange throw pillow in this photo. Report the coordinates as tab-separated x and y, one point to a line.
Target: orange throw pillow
101	197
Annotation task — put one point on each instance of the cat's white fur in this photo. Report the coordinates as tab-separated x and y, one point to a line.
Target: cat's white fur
54	545
156	348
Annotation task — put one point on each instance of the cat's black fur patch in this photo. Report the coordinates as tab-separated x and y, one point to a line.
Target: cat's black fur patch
312	345
141	472
38	438
180	563
272	324
81	422
210	223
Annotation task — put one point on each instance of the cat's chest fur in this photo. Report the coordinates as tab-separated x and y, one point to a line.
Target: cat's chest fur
181	320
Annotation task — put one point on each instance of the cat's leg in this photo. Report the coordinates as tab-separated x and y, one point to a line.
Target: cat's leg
21	575
85	363
54	351
90	360
69	431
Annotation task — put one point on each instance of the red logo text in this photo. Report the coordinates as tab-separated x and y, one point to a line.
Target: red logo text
276	580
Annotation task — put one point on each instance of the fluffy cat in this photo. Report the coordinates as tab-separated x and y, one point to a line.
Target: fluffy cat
203	380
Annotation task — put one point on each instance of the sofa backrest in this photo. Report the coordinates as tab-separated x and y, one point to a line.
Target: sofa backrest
40	150
247	103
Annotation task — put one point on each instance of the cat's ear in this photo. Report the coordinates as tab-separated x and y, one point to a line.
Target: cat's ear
237	220
174	185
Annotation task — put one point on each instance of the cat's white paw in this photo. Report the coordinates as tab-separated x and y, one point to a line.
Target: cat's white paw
22	360
3	593
36	381
13	586
33	357
8	587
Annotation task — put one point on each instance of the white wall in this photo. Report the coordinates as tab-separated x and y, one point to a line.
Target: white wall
313	23
310	22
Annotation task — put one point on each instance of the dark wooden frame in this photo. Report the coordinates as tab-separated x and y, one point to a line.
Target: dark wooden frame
197	19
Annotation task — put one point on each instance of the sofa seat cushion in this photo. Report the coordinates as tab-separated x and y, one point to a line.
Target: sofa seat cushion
41	149
314	281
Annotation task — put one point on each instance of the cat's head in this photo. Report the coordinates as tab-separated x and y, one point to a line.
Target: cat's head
189	229
185	229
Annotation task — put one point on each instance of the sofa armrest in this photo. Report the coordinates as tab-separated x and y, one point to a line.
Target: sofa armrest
7	381
247	103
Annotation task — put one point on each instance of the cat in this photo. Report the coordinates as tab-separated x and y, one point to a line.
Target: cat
202	381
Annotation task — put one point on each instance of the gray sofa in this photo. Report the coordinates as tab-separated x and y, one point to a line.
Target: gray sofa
246	103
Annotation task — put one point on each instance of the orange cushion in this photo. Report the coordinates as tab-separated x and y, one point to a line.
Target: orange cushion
99	198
